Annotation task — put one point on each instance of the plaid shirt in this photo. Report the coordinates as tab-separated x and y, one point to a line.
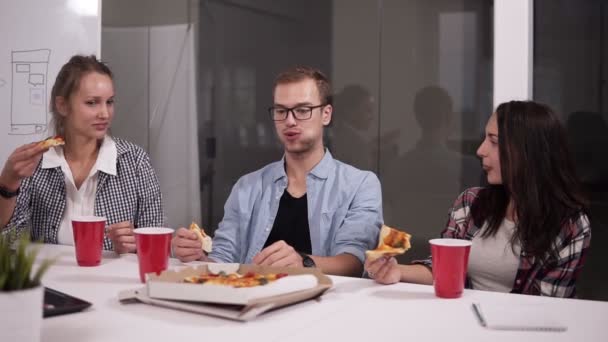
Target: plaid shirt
132	195
556	278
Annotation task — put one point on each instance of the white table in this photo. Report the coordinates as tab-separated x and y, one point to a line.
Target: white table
354	310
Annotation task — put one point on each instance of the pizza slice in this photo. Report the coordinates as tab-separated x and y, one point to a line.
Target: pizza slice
391	242
250	279
54	141
205	239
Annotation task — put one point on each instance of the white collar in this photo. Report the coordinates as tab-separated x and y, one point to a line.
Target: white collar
106	159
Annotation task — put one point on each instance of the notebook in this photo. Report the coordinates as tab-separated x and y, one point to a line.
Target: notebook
524	318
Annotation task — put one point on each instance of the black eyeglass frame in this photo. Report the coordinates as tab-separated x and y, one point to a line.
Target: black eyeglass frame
292	110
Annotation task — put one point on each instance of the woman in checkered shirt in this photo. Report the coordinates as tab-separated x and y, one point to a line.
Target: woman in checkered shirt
529	227
42	187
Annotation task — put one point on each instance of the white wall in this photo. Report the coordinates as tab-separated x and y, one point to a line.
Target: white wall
513	50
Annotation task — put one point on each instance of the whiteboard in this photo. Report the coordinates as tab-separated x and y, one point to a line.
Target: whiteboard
36	38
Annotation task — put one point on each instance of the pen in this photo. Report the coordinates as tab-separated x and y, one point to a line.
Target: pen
477	311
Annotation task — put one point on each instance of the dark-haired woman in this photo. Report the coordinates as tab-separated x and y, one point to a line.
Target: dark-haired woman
42	187
529	227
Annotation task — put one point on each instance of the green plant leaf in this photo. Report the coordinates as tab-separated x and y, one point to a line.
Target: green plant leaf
3	278
4	261
16	267
30	257
16	273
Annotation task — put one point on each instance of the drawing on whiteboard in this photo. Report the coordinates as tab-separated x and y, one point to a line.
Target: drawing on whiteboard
2	83
28	91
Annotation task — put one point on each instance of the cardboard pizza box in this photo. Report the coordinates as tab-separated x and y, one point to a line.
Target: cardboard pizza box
243	304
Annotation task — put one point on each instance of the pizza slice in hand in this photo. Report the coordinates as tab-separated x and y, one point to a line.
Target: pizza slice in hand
54	141
391	242
205	239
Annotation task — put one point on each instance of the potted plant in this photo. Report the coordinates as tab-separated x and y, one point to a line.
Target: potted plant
21	294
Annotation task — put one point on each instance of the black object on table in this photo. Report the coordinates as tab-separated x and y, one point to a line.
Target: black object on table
59	303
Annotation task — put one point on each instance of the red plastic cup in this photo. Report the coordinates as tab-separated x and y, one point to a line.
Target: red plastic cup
153	247
450	260
88	239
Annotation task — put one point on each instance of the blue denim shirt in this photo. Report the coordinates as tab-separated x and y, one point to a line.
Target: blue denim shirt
344	211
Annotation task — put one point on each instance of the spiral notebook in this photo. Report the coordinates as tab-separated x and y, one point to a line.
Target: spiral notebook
517	318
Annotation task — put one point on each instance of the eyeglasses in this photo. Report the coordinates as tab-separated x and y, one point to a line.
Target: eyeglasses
299	112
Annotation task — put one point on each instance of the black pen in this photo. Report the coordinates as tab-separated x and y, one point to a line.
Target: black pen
477	311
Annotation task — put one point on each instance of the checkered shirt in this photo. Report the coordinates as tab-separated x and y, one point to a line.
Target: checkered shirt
132	195
556	278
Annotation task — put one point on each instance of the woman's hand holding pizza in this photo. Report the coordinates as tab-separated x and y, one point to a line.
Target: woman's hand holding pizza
383	270
21	164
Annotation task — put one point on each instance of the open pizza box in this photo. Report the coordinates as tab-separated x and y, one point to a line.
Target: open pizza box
243	304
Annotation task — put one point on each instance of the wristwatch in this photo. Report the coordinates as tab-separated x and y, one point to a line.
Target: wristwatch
307	261
6	193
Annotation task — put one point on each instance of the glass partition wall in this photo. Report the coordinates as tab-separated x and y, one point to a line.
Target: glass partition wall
570	75
413	83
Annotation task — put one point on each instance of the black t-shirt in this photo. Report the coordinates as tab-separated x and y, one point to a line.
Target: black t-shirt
291	224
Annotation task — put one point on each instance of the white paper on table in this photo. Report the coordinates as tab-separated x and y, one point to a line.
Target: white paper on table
517	318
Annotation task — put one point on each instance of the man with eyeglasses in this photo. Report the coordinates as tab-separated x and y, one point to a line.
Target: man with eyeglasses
306	210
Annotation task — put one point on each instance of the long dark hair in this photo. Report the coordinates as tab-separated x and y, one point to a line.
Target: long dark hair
537	174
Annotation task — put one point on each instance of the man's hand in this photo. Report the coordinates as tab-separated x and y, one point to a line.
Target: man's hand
278	254
187	246
383	270
122	237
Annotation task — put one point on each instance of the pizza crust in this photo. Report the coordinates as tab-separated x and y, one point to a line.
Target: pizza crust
389	252
206	240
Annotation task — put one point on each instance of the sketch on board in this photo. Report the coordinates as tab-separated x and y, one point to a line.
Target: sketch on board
28	91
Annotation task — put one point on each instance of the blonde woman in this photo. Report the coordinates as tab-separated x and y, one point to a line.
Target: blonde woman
93	173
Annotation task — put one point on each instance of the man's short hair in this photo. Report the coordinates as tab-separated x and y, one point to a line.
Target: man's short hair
300	73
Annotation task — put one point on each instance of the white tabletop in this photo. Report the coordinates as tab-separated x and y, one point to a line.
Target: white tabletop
353	310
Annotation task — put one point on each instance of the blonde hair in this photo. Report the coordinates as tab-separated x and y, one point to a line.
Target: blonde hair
300	73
